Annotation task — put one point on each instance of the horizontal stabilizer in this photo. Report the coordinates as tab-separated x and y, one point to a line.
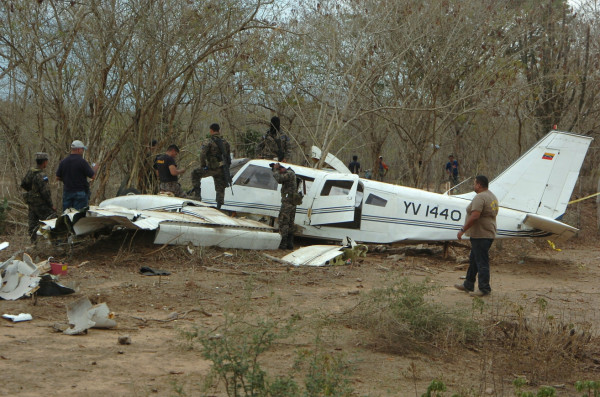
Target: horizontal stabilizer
561	230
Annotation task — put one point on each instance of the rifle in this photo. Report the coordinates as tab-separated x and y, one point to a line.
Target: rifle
226	160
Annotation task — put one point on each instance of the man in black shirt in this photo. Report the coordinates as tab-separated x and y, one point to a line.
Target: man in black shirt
354	165
74	171
168	172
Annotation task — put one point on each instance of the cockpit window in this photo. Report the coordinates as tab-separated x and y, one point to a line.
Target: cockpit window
336	188
376	200
258	177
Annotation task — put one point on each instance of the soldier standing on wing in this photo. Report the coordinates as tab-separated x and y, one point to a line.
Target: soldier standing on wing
215	159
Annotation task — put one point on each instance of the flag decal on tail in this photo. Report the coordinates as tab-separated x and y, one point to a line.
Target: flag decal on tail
548	156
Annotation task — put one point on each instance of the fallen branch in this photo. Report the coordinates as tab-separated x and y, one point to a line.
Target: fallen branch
228	271
279	260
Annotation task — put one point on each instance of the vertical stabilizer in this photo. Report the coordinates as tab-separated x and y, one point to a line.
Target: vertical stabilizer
542	179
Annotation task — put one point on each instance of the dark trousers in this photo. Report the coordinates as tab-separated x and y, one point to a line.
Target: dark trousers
479	265
37	213
77	200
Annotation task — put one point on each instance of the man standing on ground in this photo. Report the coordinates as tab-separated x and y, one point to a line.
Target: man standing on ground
168	173
38	196
287	213
452	170
481	227
215	159
73	171
354	165
381	169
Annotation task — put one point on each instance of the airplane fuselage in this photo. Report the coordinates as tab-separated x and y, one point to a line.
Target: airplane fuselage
336	205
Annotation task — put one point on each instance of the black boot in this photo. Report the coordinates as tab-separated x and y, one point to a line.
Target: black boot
290	241
283	243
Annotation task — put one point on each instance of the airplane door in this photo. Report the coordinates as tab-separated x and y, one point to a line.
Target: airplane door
334	200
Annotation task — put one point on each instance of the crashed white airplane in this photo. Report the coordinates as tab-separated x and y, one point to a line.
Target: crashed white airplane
533	194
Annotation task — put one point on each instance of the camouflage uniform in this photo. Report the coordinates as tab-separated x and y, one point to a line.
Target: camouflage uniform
211	164
38	199
273	147
173	187
287	212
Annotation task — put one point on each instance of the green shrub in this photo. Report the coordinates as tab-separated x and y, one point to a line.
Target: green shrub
235	352
326	375
590	388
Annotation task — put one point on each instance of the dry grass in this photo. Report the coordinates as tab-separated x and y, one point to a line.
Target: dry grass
400	318
545	347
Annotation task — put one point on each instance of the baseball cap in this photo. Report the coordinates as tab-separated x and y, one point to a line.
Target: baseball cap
41	156
77	144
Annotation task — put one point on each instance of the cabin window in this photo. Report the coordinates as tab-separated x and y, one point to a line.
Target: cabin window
376	200
336	188
258	177
307	182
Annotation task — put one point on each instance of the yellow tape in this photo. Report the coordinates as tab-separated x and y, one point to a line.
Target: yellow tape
585	198
553	246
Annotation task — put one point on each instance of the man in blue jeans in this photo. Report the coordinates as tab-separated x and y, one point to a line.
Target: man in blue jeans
481	227
73	171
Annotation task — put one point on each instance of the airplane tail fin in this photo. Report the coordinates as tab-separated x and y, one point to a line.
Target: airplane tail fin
542	179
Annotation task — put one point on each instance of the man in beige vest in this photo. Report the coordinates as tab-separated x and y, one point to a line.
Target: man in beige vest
481	228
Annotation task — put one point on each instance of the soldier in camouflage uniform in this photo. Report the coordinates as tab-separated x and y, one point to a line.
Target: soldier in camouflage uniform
215	156
38	196
274	146
287	212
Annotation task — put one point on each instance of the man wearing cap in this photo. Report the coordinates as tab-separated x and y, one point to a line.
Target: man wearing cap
168	173
73	171
274	145
37	195
215	160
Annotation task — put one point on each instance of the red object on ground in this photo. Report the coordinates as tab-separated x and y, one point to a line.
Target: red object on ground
58	268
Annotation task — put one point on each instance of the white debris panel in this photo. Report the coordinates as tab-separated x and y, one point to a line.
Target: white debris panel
323	255
20	278
82	316
176	221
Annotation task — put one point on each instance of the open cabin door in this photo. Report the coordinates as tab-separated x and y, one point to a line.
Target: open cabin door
334	200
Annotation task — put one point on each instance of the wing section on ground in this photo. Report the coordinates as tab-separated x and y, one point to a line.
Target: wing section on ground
561	230
176	221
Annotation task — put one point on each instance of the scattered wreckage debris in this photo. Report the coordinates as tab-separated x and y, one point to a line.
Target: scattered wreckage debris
18	317
20	278
49	286
4	245
148	271
83	316
23	278
323	255
176	221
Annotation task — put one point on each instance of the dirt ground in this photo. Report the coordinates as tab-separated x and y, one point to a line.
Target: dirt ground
206	283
